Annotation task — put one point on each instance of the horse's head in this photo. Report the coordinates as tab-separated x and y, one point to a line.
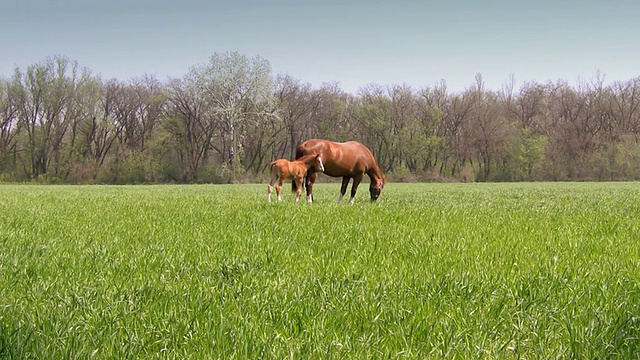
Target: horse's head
376	188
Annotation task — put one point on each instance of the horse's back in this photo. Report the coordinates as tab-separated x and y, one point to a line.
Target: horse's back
357	148
312	146
340	158
331	149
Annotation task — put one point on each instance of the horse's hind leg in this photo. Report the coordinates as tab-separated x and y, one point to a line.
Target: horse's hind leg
354	187
343	188
310	179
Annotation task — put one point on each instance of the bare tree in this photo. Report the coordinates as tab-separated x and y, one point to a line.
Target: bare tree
576	123
456	150
624	105
239	90
98	130
488	128
376	125
298	103
8	124
424	141
331	120
190	125
434	103
45	110
139	111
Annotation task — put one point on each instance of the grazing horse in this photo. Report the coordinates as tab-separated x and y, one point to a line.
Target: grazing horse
349	160
283	169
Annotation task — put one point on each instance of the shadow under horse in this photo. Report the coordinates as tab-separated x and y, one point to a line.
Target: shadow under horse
349	160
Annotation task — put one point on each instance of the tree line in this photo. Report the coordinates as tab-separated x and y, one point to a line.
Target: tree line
224	120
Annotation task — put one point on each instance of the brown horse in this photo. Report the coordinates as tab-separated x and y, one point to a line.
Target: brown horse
283	169
349	160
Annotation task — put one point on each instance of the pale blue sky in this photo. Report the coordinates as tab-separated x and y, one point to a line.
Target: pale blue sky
353	43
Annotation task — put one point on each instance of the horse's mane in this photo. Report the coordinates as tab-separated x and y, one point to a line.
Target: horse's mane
375	170
304	158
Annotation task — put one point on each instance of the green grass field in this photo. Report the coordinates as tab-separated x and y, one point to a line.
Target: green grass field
544	270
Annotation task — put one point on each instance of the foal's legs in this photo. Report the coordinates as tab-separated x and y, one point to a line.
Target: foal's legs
279	187
273	179
310	179
299	188
343	188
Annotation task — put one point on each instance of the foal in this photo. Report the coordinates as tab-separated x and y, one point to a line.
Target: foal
283	169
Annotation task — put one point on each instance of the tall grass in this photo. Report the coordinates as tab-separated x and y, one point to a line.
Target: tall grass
430	271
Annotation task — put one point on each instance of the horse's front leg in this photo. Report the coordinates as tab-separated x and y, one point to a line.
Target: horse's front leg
310	179
343	188
354	187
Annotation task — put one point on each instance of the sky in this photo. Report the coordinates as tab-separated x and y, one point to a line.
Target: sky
352	43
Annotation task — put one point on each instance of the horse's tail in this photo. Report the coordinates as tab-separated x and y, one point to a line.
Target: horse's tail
271	167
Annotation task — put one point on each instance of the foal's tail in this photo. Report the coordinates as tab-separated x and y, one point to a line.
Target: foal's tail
269	167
